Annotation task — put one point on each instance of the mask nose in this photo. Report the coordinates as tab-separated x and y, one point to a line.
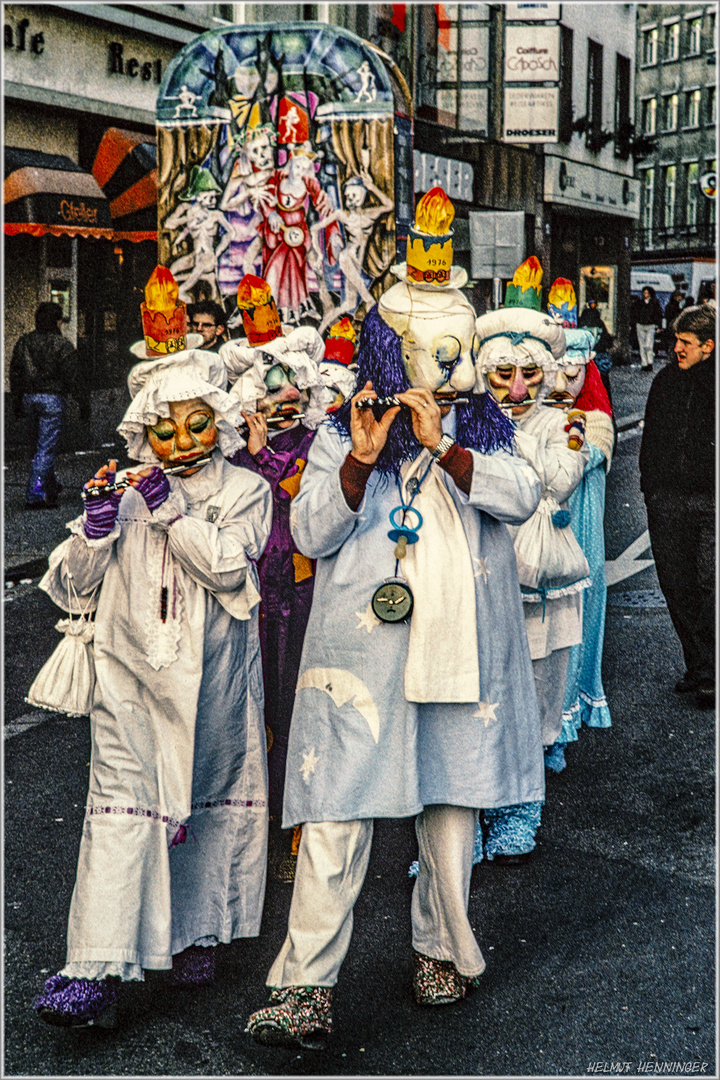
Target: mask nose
561	382
517	391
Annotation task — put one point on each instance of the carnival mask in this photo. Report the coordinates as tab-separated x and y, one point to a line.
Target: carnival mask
283	402
439	353
187	434
569	381
515	387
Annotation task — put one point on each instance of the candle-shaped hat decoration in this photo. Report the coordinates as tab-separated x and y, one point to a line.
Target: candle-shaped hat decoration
261	320
430	244
562	303
524	289
340	342
164	316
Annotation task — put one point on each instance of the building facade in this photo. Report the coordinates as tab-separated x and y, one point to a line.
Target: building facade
81	82
676	104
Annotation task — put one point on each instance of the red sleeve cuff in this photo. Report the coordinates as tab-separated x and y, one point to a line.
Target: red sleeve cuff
459	463
354	476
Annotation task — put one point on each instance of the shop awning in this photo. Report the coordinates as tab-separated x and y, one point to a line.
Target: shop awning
125	167
49	193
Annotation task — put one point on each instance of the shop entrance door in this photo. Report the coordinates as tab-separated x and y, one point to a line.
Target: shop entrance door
599	283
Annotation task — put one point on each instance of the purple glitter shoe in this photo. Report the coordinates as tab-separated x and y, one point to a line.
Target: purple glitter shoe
79	1002
438	982
192	968
298	1016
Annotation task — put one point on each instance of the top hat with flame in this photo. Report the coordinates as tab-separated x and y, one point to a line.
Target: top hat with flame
164	318
261	320
524	289
562	303
430	246
340	342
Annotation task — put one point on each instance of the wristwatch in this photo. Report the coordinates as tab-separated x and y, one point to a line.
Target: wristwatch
442	447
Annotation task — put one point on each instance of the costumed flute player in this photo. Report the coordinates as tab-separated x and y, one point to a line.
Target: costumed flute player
174	847
416	694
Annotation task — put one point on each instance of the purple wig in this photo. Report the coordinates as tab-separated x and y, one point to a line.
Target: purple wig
480	425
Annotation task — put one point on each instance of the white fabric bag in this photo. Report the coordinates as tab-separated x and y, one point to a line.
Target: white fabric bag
66	682
548	554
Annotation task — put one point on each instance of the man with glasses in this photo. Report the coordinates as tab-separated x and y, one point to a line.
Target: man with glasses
208	318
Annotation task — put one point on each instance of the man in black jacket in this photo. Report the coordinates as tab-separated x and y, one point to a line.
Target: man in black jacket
44	370
677	476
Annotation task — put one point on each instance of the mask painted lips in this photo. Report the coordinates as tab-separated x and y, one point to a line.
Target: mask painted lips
558	399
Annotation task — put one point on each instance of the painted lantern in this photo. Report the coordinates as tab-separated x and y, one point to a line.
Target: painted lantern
284	151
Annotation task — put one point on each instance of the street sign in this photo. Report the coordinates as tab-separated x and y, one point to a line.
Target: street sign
531	12
708	184
530	114
532	54
497	242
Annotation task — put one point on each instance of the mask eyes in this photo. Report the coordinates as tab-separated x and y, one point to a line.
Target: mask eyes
505	372
448	351
163	431
572	372
475	347
199	422
530	372
277	377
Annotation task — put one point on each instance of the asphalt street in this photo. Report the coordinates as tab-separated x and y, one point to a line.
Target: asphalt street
600	952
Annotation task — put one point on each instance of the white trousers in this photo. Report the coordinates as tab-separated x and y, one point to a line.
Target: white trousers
331	867
646	341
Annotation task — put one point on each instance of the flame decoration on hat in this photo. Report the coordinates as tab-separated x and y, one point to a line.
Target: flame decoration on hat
261	320
164	316
429	259
340	342
562	303
524	289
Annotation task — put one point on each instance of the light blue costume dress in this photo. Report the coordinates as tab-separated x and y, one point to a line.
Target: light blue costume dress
585	701
359	749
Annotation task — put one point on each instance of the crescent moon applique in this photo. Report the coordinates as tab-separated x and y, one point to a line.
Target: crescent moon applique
342	686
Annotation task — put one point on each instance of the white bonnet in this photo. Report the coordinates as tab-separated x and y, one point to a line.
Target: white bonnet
404	300
182	376
580	345
518	336
301	350
340	375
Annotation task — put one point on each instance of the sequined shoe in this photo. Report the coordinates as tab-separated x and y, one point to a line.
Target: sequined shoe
297	1016
79	1002
438	982
192	968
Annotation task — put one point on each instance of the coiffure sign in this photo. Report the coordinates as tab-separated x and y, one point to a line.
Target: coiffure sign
532	54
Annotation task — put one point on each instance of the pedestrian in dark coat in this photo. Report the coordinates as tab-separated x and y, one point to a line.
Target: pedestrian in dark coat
44	371
677	476
647	316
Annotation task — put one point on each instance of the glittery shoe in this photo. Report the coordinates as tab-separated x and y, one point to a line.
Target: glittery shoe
79	1002
192	968
438	982
298	1016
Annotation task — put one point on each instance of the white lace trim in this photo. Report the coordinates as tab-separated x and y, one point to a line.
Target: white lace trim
553	594
92	969
162	637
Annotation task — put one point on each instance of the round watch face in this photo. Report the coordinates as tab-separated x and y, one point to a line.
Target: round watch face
393	602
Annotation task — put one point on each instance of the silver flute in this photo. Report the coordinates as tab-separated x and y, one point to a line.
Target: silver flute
121	481
382	404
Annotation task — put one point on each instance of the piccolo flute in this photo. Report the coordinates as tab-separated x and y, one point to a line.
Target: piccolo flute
277	418
121	481
382	404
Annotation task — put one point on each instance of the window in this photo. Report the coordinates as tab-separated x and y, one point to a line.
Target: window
711	107
672	41
692	173
648	199
694	32
692	108
566	78
670	194
623	127
711	31
649	116
650	46
593	109
453	66
670	112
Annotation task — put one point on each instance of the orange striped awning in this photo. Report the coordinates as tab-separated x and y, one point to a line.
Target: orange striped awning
125	167
49	193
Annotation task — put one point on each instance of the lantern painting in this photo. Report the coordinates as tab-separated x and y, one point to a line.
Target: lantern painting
277	153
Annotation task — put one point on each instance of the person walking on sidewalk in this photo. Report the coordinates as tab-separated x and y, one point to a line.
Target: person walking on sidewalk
677	477
44	370
648	316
